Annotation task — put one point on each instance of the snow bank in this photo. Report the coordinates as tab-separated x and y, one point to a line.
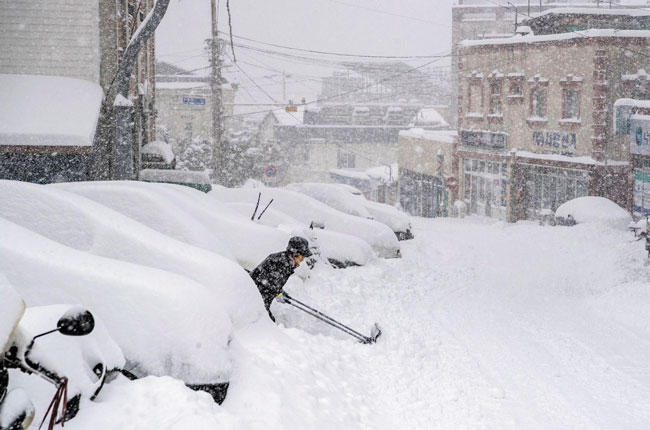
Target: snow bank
48	110
160	148
305	209
11	309
84	225
152	403
592	209
145	309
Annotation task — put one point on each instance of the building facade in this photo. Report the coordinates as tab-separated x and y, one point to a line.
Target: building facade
426	172
80	40
488	19
535	127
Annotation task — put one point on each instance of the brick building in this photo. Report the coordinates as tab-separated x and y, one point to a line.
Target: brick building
535	113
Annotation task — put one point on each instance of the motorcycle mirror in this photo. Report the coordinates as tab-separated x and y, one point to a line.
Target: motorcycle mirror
76	322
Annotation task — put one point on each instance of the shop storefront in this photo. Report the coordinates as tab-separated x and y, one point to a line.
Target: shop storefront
423	195
546	188
640	151
485	187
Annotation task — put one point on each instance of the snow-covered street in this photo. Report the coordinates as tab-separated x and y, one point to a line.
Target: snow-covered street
486	326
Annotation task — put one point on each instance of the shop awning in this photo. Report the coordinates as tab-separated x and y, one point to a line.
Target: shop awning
48	110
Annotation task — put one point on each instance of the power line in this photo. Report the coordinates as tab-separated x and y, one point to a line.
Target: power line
313	51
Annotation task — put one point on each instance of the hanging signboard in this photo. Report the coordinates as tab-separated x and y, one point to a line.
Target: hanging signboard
640	134
556	142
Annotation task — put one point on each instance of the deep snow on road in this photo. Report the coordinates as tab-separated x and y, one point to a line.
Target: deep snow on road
486	326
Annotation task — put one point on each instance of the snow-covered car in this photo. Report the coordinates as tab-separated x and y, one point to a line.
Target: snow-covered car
66	346
145	309
308	210
187	215
351	201
85	225
339	249
592	209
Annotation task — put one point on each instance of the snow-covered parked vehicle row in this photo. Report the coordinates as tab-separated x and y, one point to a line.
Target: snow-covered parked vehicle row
308	210
144	309
339	249
351	201
187	215
78	363
82	224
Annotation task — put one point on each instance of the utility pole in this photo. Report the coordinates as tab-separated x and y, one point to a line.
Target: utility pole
218	150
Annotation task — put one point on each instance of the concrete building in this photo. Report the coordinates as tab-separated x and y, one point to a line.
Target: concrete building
535	126
343	142
74	43
426	172
184	104
489	19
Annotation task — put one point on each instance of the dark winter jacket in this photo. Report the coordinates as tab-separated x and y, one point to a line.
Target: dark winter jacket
271	275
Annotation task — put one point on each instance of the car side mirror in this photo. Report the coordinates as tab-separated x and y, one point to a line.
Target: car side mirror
76	322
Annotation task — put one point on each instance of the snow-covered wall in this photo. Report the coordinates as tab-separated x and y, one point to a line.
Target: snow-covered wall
50	37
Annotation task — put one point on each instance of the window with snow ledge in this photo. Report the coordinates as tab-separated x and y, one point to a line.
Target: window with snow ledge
538	87
474	95
515	87
571	86
495	81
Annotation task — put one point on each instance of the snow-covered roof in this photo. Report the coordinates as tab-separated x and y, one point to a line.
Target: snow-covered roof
594	11
568	159
379	173
583	34
48	110
161	148
633	103
443	136
428	115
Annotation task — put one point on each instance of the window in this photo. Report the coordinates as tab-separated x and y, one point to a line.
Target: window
571	104
188	130
495	98
346	159
538	103
515	89
475	94
571	85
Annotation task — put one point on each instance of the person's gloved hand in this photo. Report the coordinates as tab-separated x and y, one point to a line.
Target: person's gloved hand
280	298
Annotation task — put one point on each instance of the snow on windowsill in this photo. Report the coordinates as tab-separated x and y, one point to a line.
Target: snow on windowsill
536	120
572	121
474	115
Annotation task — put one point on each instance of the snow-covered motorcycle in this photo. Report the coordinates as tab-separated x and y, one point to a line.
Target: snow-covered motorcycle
76	366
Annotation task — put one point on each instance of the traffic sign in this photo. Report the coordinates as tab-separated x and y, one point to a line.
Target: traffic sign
452	182
270	171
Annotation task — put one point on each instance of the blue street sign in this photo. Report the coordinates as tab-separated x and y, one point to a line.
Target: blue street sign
194	101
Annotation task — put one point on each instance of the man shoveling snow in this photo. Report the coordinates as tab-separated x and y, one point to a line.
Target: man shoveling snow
272	274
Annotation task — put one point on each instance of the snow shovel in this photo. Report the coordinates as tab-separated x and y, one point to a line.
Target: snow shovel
375	332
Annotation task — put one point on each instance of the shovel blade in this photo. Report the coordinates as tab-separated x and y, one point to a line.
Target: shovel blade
375	332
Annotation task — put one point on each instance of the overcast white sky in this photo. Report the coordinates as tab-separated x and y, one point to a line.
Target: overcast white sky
365	27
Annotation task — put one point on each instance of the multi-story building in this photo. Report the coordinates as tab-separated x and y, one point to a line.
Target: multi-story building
68	50
536	125
490	19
